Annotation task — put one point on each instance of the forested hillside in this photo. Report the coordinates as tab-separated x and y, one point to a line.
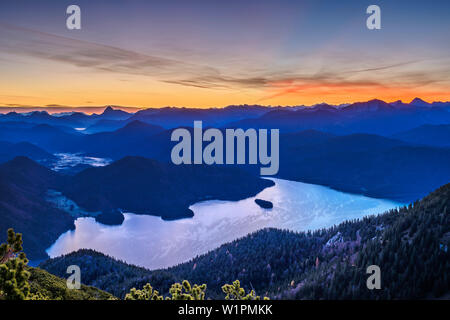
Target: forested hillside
51	287
410	245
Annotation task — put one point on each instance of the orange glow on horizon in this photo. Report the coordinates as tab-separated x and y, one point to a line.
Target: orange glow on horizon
274	95
68	88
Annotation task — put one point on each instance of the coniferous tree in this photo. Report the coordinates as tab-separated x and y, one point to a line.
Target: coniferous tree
13	276
147	293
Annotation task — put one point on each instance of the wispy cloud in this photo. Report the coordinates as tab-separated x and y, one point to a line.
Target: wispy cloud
385	67
85	54
105	58
272	82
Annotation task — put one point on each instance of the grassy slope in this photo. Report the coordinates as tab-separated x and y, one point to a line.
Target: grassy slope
55	288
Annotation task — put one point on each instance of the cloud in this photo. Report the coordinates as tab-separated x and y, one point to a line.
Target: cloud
386	67
330	76
223	82
106	58
55	105
85	54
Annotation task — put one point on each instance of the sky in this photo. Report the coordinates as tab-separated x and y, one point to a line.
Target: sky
196	53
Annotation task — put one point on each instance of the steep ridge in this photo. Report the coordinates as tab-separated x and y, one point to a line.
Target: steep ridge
23	184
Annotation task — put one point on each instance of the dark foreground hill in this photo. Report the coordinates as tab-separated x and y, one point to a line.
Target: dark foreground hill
410	245
144	186
23	185
55	288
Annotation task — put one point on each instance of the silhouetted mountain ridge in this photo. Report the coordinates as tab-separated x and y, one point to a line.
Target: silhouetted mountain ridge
374	116
9	151
435	135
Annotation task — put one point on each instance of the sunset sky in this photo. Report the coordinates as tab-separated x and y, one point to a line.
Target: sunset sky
215	53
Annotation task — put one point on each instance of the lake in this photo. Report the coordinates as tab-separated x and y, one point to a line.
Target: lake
150	242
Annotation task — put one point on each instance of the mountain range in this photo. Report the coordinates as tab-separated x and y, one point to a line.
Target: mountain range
373	148
356	117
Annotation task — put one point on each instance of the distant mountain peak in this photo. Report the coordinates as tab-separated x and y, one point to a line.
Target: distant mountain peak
371	105
37	112
22	160
419	102
116	114
377	101
108	109
135	124
324	106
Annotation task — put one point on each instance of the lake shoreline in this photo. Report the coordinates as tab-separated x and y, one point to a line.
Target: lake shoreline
158	243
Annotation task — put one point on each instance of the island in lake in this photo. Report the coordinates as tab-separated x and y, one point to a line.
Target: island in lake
264	204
